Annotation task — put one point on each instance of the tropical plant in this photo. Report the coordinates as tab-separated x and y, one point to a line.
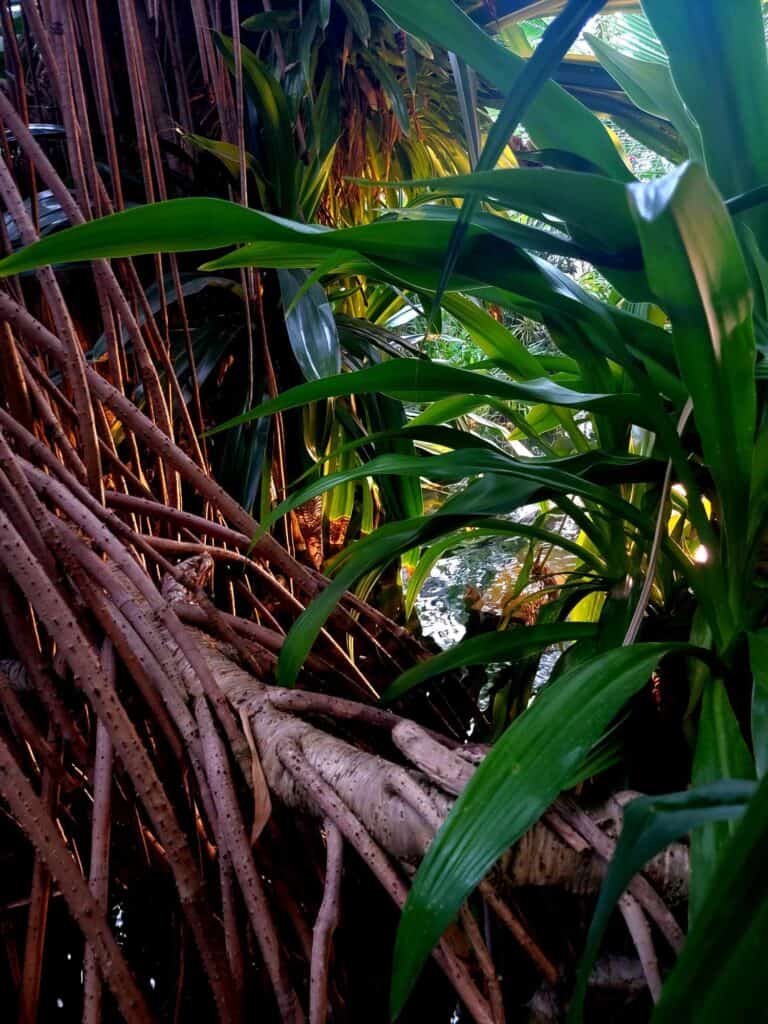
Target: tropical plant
657	391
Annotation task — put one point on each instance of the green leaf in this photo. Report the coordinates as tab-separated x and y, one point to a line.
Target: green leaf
718	61
271	21
523	235
379	548
176	225
226	152
358	19
465	81
492	337
554	118
487	648
650	86
595	206
758	658
509	792
555	43
275	121
698	276
394	93
423	381
310	325
721	753
549	476
721	974
651	823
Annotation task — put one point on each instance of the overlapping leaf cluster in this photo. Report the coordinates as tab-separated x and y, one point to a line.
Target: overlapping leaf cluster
652	418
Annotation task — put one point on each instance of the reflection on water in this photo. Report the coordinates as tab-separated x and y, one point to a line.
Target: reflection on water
440	604
490	566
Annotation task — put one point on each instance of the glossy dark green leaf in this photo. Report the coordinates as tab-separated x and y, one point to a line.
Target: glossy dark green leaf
425	380
488	648
508	793
721	974
310	325
696	269
721	753
651	823
275	122
718	61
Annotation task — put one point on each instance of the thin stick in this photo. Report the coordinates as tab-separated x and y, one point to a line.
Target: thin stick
547	969
486	963
325	925
39	900
641	936
34	819
98	873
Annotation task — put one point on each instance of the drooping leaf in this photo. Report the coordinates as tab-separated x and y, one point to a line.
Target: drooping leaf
721	974
649	824
697	272
424	381
176	225
310	325
488	648
594	205
508	793
721	753
649	84
546	477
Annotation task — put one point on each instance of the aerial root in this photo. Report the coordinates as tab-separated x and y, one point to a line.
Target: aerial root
354	831
325	925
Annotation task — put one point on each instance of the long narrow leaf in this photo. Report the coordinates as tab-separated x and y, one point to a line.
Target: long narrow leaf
554	119
697	272
721	973
555	43
509	792
650	824
488	648
426	381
